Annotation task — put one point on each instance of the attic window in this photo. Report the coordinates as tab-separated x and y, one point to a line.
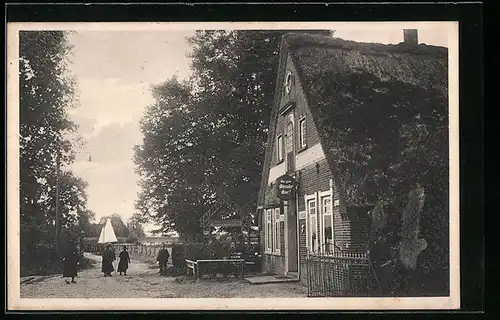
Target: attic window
279	148
288	83
302	133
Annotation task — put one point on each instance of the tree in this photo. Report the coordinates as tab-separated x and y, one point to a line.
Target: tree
117	223
86	223
134	225
206	138
46	92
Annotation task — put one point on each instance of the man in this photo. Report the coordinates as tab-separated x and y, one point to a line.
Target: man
108	256
70	263
162	259
124	261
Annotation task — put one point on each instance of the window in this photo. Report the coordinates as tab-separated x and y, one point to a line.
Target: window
272	231
302	133
326	225
290	157
312	234
279	148
276	233
268	231
288	83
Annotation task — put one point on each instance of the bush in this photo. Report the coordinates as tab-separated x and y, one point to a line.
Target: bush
214	249
178	256
43	259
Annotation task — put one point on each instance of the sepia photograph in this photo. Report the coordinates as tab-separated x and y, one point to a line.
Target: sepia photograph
233	165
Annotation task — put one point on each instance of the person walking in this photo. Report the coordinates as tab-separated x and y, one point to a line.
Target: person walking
124	261
108	256
162	259
70	263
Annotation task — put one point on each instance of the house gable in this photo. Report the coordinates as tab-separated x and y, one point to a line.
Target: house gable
290	107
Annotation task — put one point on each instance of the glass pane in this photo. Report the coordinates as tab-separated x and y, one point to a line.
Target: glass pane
314	235
326	205
303	132
289	138
328	233
277	235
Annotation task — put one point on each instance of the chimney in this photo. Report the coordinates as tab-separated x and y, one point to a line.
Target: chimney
411	36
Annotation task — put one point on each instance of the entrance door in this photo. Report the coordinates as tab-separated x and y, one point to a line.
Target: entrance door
291	234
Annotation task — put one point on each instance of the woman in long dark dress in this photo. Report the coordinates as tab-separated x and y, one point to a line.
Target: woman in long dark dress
70	264
108	256
124	261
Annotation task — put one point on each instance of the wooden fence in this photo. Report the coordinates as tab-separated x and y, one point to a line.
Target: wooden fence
144	251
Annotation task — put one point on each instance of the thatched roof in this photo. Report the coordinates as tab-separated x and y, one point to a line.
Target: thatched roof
335	73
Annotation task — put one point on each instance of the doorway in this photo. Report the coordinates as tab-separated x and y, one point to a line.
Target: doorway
292	251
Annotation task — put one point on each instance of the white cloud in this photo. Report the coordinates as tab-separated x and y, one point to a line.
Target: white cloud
112	187
109	101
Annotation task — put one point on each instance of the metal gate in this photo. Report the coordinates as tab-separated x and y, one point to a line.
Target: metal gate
343	274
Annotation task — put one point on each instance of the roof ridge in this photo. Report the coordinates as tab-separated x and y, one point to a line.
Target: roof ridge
296	40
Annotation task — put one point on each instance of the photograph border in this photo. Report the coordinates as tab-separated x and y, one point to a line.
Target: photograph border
436	303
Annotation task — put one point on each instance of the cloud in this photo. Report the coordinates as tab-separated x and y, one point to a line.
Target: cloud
109	101
86	125
151	56
112	187
114	142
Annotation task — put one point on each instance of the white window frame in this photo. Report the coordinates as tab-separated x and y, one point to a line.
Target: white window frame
302	132
268	231
309	242
276	231
327	195
288	83
279	147
289	142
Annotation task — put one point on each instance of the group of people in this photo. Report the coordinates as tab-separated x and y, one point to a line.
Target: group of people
109	256
71	260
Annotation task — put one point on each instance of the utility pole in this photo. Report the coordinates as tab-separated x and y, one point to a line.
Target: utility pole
58	211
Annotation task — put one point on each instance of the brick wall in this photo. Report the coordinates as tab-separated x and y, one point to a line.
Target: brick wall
302	251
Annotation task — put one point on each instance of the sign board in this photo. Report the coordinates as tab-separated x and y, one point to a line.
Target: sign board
285	187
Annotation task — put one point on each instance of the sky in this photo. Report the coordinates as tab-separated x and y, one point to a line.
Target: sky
114	71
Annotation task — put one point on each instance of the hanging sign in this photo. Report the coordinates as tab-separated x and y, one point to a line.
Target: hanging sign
286	187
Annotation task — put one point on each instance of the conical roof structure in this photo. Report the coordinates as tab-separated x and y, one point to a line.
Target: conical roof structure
107	233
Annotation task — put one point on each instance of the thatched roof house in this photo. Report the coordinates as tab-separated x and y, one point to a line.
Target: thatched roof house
353	124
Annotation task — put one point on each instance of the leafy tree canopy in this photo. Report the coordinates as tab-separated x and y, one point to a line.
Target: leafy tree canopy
46	93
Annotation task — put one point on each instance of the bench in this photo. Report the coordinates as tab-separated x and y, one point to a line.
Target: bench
191	267
224	266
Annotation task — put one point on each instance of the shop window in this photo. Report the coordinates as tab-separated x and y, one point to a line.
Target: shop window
276	231
312	234
326	242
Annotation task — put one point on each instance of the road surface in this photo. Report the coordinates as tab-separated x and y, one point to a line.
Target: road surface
143	281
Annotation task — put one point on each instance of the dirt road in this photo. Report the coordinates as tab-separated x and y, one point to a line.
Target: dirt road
143	281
